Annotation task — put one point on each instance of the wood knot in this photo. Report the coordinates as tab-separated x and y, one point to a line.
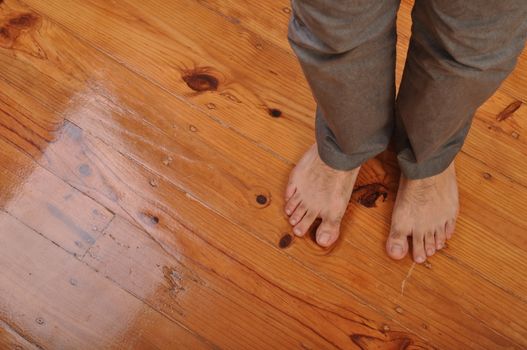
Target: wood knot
369	193
274	112
23	21
393	340
149	218
11	30
285	241
200	80
260	197
509	111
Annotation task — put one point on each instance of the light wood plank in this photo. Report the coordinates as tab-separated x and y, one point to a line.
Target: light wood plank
215	306
62	303
48	205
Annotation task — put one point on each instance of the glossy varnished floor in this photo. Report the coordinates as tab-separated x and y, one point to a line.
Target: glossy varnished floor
144	148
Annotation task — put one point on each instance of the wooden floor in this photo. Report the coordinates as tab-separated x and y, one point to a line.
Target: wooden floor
144	149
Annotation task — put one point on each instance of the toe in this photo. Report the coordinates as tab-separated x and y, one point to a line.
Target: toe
303	226
328	232
298	214
418	246
449	228
440	239
430	243
397	245
290	191
292	203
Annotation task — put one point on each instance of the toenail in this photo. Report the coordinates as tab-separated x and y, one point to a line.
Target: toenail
396	249
419	259
324	238
288	212
297	231
292	221
430	251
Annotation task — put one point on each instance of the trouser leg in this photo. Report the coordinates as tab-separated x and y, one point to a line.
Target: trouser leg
347	52
460	52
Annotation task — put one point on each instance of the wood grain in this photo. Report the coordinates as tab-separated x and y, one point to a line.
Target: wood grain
183	142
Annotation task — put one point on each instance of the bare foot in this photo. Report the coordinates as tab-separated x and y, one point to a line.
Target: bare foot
317	190
425	209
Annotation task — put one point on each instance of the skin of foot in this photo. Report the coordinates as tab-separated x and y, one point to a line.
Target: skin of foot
425	209
315	190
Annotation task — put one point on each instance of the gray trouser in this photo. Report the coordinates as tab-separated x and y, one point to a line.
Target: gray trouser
460	51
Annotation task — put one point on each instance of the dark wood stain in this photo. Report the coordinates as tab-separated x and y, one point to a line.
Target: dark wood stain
285	241
199	80
509	111
368	194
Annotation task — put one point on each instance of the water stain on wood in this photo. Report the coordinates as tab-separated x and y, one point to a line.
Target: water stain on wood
509	111
369	193
200	80
67	221
285	241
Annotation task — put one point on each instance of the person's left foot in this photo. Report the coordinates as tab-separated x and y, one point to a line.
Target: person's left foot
425	209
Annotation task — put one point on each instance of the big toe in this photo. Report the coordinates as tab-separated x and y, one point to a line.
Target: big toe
397	246
327	233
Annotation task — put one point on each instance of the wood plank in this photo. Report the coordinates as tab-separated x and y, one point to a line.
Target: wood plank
169	215
210	304
135	183
353	317
91	311
55	209
247	86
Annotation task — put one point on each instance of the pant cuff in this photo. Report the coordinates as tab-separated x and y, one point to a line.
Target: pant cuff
330	152
419	170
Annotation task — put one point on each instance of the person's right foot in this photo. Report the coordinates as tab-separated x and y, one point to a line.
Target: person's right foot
425	209
317	190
